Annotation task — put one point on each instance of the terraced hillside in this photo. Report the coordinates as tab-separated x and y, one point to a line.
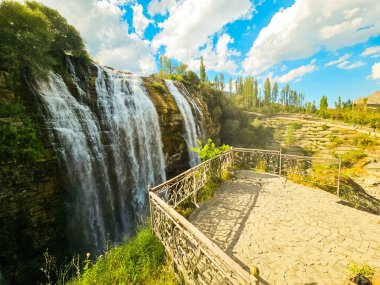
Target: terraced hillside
359	152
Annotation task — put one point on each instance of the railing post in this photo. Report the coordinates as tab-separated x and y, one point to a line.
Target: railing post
232	155
254	275
195	192
150	206
338	186
280	170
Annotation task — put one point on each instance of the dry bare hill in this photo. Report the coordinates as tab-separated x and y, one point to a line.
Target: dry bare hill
373	99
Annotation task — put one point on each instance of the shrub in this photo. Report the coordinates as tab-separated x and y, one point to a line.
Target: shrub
209	150
159	87
365	141
351	157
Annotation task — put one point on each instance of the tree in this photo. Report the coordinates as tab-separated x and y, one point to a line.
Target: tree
166	65
267	92
323	104
203	71
221	82
181	69
216	81
274	92
230	86
25	40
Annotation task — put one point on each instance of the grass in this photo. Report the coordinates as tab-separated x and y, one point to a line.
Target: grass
351	157
159	87
139	261
365	141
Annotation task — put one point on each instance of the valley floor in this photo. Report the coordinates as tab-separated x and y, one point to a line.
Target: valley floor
294	234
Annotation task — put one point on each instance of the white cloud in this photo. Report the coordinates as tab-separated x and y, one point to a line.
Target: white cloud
297	73
309	26
140	22
343	62
375	71
106	35
339	60
217	58
347	65
372	52
160	7
191	23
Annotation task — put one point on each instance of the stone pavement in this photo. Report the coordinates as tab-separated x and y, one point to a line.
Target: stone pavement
294	234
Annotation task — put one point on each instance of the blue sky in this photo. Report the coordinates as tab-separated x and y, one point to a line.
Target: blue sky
319	47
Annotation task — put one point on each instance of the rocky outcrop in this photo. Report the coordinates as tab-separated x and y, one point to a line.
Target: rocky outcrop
34	202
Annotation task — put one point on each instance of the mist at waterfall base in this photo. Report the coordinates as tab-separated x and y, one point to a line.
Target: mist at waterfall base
110	149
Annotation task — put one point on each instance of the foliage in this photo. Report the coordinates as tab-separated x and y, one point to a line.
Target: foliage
365	141
34	39
355	268
18	138
139	261
351	157
290	138
202	71
209	150
323	104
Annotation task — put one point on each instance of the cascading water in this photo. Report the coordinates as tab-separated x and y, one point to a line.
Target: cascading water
189	120
110	149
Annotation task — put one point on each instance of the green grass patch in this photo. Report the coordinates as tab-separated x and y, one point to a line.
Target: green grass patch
351	157
139	261
365	141
159	87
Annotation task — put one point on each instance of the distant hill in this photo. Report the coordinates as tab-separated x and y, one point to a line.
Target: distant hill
373	100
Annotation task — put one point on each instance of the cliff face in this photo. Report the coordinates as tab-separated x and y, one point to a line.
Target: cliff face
32	194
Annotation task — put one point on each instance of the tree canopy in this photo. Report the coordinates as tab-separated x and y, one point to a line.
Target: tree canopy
35	38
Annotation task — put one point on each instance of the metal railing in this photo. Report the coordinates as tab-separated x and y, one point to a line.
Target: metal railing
197	258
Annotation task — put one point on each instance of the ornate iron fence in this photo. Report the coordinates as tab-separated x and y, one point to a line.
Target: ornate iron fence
197	258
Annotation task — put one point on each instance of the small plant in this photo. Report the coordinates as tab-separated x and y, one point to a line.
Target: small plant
209	150
355	268
325	127
365	141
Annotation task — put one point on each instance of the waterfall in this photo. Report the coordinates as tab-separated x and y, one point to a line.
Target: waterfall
110	149
189	121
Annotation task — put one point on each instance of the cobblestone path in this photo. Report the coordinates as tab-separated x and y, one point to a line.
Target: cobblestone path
292	233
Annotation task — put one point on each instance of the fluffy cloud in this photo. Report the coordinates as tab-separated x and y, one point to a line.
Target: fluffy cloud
343	63
297	73
309	26
372	52
218	58
107	38
140	22
375	71
191	23
160	7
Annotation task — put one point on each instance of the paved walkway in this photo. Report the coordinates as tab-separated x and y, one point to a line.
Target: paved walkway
292	233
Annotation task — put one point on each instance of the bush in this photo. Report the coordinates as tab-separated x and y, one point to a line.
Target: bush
365	141
209	150
351	157
363	269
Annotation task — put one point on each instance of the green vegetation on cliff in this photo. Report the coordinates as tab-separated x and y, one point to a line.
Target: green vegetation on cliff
34	39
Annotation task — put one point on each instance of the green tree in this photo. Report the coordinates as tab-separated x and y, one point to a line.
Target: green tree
230	86
216	81
221	81
166	65
267	92
274	93
203	71
323	104
25	40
